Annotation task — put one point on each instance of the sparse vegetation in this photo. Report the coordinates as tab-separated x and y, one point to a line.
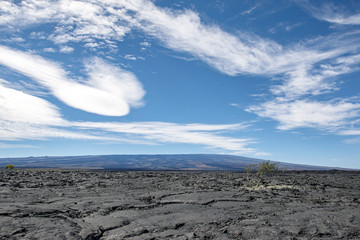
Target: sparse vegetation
262	170
249	170
10	167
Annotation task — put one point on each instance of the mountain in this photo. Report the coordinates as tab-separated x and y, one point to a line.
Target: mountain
149	162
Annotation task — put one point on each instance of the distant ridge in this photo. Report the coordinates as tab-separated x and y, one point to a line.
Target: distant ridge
215	162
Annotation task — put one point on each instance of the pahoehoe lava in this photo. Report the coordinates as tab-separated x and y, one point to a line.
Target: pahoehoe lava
73	204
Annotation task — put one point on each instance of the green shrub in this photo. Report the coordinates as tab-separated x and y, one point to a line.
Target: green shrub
9	167
265	168
249	170
262	169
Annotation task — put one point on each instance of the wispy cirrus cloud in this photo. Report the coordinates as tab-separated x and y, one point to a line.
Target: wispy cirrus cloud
5	145
249	11
283	26
350	132
109	90
316	80
66	49
353	140
331	116
26	12
329	12
23	116
75	20
15	131
181	31
163	132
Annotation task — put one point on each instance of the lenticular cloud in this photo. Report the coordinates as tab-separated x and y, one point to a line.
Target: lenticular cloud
109	91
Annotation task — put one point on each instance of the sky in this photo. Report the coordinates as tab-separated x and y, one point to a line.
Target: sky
274	80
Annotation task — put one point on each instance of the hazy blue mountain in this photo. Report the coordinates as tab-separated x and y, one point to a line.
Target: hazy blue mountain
148	162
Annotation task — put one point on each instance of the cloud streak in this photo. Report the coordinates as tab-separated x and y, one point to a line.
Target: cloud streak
331	116
109	91
76	20
23	116
334	14
162	132
183	31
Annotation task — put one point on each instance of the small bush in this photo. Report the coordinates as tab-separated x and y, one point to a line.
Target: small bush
9	167
262	169
249	170
265	168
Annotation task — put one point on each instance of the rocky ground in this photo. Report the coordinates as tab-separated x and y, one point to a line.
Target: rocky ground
59	204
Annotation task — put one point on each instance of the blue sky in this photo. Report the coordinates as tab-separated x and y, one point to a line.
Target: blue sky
276	80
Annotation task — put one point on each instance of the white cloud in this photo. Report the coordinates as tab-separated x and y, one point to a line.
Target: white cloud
331	116
250	10
76	20
116	81
66	49
292	107
350	132
130	57
145	44
302	81
38	35
92	20
26	12
160	132
92	45
109	91
23	116
235	105
13	131
21	107
148	133
353	140
6	145
16	39
52	50
333	14
183	31
284	26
